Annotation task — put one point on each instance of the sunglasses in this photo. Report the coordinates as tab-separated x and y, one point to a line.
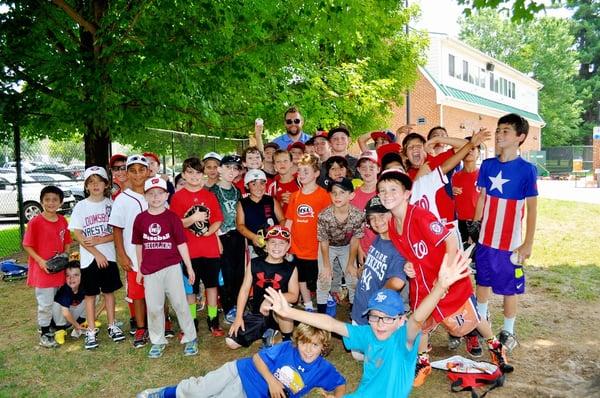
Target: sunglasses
118	168
278	232
292	121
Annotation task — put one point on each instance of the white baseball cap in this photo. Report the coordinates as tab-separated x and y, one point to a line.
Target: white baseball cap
212	155
155	182
97	170
253	175
136	159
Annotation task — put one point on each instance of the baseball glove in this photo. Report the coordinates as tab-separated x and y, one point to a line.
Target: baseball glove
57	263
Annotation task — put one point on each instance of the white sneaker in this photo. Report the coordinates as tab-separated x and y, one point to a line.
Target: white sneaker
77	333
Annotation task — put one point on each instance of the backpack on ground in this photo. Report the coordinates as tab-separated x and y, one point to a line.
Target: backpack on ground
467	375
11	271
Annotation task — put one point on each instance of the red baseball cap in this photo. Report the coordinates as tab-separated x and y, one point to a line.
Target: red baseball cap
298	145
380	134
115	158
393	147
152	155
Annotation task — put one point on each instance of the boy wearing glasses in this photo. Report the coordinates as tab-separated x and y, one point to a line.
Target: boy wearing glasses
118	171
293	129
261	273
390	341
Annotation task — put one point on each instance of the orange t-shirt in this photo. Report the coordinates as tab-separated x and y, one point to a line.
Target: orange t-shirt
303	211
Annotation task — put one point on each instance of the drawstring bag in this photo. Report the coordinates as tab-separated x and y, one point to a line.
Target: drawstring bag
467	375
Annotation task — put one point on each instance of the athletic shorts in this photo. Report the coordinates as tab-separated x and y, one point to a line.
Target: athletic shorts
308	270
187	287
135	291
463	321
255	325
495	270
95	279
207	270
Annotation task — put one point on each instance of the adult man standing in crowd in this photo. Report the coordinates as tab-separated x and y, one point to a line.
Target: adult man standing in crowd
293	125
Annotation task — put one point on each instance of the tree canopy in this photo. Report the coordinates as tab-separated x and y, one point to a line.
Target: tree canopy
544	49
107	69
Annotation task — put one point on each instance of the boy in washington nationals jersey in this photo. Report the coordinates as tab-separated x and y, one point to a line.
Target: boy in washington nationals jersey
423	240
508	186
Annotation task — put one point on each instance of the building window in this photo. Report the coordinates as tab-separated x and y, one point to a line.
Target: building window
492	81
482	77
465	71
451	65
514	95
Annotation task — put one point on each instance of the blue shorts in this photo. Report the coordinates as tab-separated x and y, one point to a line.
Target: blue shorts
495	270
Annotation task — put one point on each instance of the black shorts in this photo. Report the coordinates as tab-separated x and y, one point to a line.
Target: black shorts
95	280
207	270
308	271
255	325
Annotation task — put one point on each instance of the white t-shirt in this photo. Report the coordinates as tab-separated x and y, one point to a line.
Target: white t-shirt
92	219
126	207
425	188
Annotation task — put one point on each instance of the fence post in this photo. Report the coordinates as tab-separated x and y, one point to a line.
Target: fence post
17	139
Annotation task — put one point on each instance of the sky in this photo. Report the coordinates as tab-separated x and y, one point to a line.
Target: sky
442	16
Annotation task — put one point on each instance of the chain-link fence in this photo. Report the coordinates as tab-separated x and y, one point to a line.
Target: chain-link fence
47	162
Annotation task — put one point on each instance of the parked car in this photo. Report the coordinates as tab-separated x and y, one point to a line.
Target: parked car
25	166
76	171
61	181
31	197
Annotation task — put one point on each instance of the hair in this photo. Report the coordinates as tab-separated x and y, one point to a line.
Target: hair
177	178
310	159
73	264
292	109
339	160
282	152
107	187
409	137
152	155
435	128
193	163
304	333
519	123
479	147
389	158
52	189
396	176
252	149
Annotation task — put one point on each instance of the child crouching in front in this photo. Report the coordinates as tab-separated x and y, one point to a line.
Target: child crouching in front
160	246
290	369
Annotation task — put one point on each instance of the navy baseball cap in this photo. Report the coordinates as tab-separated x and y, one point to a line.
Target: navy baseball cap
387	301
344	183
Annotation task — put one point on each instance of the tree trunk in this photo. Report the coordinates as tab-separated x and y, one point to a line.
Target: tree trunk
97	144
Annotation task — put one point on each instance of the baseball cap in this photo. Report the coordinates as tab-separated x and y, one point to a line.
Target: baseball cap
152	155
387	301
95	170
398	175
344	183
367	155
231	159
137	159
155	182
271	145
115	158
392	147
380	134
253	175
278	232
298	145
212	155
310	141
374	206
321	134
389	158
341	128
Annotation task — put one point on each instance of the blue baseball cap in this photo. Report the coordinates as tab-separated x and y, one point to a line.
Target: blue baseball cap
387	301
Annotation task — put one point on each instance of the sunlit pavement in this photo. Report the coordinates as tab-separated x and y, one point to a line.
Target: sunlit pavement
567	190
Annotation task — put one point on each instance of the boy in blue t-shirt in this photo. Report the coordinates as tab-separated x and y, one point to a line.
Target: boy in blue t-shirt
390	341
290	369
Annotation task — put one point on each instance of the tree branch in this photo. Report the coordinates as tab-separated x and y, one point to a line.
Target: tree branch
90	27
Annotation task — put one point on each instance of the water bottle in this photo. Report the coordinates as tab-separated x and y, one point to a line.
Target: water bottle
331	306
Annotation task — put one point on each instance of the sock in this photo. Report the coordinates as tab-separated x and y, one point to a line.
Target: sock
193	310
321	308
286	336
482	309
308	306
212	312
131	309
509	325
170	392
423	357
492	343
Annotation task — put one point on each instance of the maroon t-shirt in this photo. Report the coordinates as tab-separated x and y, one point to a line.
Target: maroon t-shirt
159	236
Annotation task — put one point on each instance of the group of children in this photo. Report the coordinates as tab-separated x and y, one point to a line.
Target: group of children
258	241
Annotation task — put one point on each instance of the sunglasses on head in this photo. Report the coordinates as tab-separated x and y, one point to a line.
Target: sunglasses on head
292	121
278	232
118	168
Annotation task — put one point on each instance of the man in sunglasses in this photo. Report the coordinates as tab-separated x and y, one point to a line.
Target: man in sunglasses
293	122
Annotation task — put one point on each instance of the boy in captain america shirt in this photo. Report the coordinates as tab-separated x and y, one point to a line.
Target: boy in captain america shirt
508	186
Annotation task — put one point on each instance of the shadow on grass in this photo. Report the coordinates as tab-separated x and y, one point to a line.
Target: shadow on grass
579	282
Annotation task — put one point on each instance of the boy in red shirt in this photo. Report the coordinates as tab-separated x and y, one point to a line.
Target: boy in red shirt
286	181
423	240
47	234
202	217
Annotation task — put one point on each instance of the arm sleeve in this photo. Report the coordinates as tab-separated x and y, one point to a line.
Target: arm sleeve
531	182
357	339
432	230
30	233
396	267
358	231
322	225
175	205
482	177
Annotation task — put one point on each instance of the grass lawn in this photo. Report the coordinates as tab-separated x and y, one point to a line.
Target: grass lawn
565	269
10	242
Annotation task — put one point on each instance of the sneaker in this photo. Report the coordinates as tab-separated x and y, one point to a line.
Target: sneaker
115	333
268	337
508	340
156	350
90	340
214	328
46	340
310	310
132	326
152	393
77	333
453	342
230	316
473	346
498	357
169	333
422	370
139	340
59	336
190	348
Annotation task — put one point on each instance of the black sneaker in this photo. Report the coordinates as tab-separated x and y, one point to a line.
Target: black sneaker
90	340
132	326
508	340
214	328
115	333
140	339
